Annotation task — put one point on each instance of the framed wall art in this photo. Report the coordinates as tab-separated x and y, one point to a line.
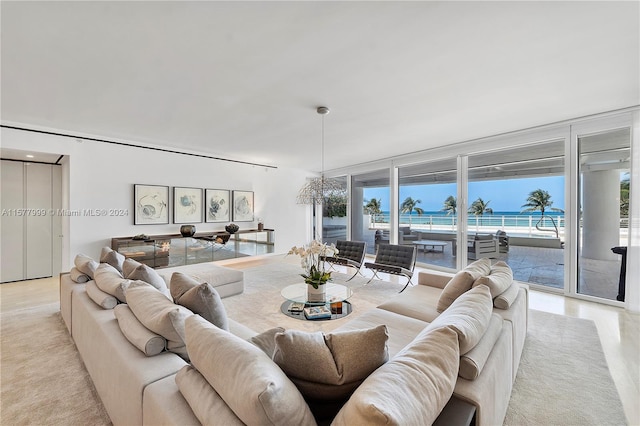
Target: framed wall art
187	205
243	206
217	205
150	204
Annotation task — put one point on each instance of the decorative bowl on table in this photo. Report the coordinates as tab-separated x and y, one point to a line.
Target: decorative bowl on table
232	228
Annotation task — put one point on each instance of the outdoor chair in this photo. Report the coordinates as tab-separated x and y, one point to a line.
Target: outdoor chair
503	241
483	246
350	254
393	259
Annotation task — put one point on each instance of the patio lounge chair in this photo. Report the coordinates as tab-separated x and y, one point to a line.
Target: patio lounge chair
393	259
483	246
350	253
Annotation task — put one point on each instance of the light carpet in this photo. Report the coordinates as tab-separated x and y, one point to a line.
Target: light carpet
44	381
563	377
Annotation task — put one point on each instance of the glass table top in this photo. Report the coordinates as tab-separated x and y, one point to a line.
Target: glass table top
334	293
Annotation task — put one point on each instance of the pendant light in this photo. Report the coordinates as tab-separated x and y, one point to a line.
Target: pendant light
316	190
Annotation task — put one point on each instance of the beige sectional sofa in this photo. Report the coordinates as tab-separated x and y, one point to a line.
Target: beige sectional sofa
140	389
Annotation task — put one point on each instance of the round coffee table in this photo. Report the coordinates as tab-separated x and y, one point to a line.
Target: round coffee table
336	301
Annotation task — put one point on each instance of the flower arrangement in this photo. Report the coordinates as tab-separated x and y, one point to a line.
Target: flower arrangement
312	262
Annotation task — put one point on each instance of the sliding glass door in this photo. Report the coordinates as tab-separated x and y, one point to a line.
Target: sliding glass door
515	212
334	214
603	198
370	197
427	208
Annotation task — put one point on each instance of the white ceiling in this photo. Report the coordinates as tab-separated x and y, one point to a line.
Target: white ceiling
242	80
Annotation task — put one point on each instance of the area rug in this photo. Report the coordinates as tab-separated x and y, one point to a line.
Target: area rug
258	307
43	378
563	377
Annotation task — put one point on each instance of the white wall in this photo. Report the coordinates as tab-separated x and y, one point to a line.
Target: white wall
99	175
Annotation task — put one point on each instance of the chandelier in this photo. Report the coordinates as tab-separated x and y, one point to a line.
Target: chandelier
316	190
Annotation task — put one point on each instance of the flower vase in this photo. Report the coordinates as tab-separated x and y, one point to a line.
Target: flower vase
316	295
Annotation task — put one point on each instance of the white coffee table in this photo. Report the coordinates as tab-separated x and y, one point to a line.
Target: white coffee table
430	243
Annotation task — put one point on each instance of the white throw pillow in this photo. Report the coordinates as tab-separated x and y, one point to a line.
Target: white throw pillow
469	315
253	386
410	389
78	276
102	299
204	401
498	280
109	280
462	282
141	337
159	314
85	264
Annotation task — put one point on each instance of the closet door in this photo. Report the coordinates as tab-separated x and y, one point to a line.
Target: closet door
12	224
39	238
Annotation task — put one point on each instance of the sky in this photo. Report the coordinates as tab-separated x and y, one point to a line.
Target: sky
501	195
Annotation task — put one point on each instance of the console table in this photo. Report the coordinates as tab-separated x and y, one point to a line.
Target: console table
159	251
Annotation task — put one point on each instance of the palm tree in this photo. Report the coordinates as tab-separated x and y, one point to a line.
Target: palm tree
540	199
373	208
450	205
479	208
409	205
624	197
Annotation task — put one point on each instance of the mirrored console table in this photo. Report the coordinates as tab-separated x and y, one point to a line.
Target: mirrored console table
159	251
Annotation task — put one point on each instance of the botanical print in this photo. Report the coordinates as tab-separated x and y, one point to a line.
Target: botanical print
243	206
151	204
187	205
217	205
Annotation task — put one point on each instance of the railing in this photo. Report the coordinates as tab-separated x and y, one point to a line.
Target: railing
521	223
529	224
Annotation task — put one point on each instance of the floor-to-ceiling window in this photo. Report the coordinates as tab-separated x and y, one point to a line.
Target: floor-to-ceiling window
334	214
556	203
370	208
603	214
516	195
427	207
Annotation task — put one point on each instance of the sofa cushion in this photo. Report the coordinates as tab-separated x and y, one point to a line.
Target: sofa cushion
109	280
102	299
332	365
205	402
199	298
469	315
505	299
410	389
86	265
145	273
498	280
141	337
78	276
417	302
462	282
267	340
159	314
251	384
129	265
472	363
112	257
